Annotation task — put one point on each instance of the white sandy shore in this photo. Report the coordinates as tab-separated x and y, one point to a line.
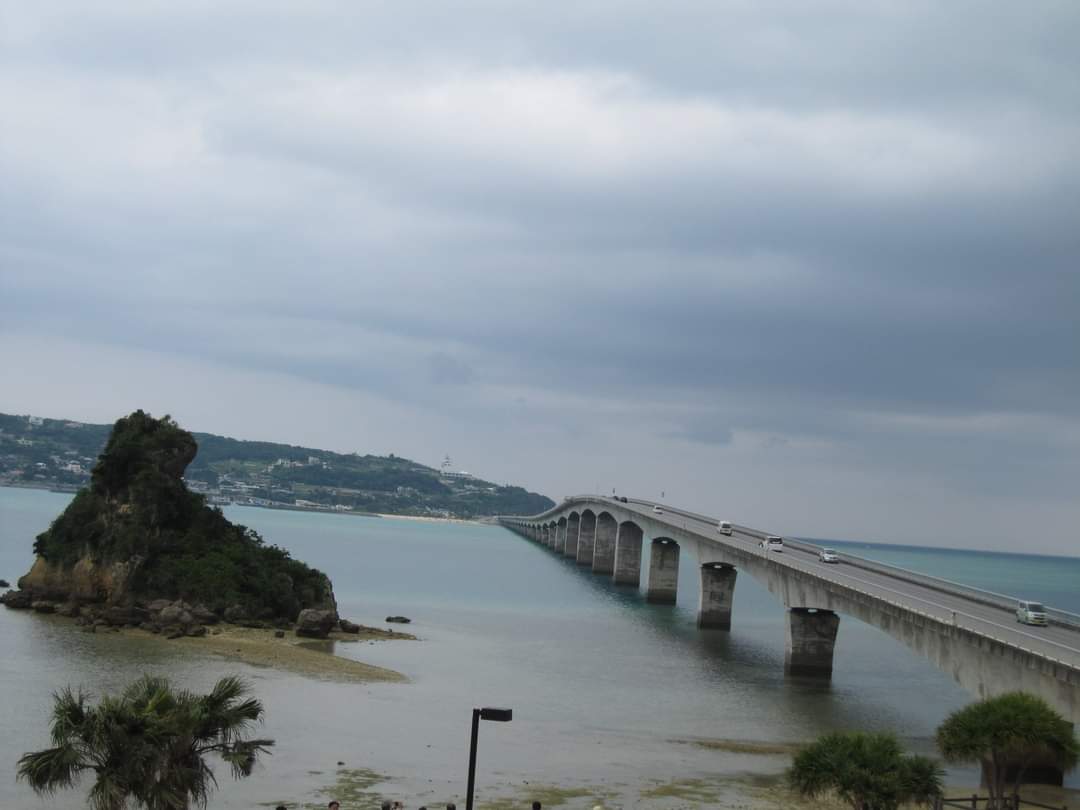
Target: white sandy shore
424	519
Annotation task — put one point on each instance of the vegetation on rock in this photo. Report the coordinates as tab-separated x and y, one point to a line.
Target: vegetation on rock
147	747
137	511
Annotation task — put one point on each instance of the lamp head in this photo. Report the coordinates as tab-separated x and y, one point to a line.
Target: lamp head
497	715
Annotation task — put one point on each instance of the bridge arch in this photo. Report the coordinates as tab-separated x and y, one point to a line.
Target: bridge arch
663	571
560	535
573	523
607	528
586	537
628	554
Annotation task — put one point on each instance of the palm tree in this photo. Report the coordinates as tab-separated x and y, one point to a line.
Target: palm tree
865	771
1006	735
148	746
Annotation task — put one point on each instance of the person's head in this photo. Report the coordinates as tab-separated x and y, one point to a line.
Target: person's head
386	806
334	805
536	806
281	807
451	806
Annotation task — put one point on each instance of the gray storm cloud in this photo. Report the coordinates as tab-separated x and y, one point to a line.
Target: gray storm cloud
812	265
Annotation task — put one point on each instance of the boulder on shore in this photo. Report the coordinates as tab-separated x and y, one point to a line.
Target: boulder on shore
234	614
399	619
314	623
349	627
18	600
203	615
175	614
44	606
119	615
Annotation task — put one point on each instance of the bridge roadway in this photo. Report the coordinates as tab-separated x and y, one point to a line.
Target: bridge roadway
971	634
1061	642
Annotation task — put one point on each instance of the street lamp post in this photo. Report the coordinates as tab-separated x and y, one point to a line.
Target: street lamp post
496	715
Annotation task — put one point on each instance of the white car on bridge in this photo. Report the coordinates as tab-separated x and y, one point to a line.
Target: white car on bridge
827	555
772	543
724	527
1031	613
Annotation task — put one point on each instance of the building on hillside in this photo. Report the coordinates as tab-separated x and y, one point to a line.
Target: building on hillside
447	471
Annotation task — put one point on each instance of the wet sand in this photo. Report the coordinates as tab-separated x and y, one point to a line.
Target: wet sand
747	791
304	656
424	519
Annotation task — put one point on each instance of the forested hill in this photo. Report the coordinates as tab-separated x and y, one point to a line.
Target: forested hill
59	454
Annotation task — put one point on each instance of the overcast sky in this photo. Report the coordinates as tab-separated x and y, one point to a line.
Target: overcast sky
814	267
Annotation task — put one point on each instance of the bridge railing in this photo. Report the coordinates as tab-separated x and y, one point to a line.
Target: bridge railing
1056	616
981	596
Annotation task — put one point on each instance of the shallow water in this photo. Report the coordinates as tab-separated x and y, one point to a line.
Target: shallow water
599	681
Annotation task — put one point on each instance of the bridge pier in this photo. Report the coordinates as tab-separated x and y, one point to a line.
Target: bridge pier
603	561
628	554
811	636
572	524
560	536
586	538
717	590
663	572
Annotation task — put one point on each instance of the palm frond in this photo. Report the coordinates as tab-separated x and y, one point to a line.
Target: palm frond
68	715
242	756
49	770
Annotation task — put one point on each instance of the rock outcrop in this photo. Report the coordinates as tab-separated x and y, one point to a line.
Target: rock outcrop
313	623
137	547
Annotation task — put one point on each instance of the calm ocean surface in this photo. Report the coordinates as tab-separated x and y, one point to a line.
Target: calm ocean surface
603	686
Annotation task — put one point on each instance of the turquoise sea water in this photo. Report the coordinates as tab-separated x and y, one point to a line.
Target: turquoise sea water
1049	579
600	682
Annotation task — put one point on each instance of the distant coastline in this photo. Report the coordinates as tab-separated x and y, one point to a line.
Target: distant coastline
59	455
280	507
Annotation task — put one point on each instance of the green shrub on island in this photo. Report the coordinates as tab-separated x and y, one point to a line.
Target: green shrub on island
138	511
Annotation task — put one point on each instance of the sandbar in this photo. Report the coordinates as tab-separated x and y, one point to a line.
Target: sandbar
311	657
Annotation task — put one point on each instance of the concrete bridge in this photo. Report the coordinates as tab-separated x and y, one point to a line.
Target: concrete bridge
971	634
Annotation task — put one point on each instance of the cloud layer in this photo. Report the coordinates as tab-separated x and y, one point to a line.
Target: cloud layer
816	270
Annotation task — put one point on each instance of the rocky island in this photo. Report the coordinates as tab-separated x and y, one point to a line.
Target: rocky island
136	548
